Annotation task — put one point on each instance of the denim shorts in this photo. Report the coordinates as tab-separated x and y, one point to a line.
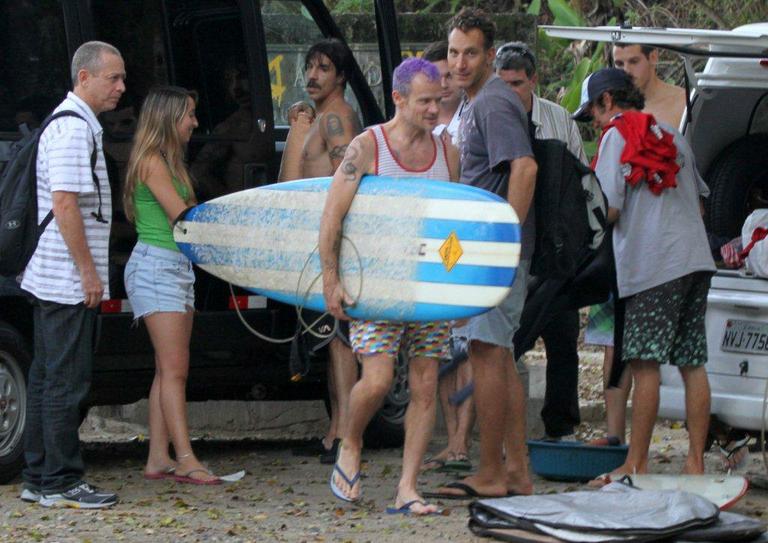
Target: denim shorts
159	280
498	326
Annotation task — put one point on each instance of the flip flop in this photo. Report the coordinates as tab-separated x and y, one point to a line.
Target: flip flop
351	482
167	473
460	465
405	509
469	493
735	454
440	464
192	481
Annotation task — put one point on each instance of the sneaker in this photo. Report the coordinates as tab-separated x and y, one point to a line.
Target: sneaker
30	495
82	496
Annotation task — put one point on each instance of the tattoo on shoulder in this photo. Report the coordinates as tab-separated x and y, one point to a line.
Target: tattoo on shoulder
333	125
337	153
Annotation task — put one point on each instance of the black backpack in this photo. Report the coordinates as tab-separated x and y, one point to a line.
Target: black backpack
19	231
571	211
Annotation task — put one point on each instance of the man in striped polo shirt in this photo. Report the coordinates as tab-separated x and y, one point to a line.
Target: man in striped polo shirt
67	276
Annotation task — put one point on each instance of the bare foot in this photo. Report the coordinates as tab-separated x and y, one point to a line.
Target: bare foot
156	466
349	463
519	483
694	466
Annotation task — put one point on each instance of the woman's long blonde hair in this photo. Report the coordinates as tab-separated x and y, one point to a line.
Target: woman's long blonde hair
156	134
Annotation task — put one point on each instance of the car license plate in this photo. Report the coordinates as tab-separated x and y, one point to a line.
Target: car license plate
745	337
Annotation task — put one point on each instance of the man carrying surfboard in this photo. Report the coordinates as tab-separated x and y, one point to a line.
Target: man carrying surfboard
496	155
406	148
316	142
663	262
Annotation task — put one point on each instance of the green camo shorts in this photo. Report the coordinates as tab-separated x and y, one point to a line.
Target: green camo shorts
665	323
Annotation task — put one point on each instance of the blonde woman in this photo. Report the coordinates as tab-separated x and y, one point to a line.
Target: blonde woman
159	278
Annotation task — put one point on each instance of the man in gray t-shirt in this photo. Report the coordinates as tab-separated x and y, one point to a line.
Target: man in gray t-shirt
495	155
663	261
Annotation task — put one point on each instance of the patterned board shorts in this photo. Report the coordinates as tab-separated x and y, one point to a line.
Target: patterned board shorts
422	339
665	324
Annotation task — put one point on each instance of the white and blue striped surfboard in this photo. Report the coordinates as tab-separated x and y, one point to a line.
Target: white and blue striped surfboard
414	249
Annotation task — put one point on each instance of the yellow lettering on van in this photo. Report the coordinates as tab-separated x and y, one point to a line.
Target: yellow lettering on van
275	69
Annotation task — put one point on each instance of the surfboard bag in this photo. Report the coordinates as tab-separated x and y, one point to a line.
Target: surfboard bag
617	512
571	211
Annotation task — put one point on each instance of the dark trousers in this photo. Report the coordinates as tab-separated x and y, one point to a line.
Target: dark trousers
561	399
58	383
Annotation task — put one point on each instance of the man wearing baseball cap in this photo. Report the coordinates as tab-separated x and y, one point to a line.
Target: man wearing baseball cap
663	262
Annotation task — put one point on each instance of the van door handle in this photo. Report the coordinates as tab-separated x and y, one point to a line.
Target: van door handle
262	125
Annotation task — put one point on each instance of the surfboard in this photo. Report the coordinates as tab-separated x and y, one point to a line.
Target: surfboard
722	490
413	249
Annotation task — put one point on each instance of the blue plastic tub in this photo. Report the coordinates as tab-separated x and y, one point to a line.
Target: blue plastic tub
573	460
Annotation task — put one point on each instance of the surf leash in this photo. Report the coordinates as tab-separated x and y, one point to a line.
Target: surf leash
306	328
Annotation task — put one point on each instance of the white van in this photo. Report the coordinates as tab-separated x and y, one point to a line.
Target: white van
727	126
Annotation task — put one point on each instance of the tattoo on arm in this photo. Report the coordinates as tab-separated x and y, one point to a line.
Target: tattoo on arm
348	166
337	153
333	126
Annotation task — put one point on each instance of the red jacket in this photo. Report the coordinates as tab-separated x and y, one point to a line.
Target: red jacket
649	150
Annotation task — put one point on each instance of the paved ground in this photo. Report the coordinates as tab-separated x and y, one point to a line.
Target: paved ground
282	498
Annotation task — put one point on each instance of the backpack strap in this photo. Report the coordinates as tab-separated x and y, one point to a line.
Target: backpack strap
94	157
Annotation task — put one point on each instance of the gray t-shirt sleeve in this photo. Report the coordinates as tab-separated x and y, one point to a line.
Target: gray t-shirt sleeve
608	168
501	119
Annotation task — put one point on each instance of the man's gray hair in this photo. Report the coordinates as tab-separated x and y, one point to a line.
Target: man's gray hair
88	57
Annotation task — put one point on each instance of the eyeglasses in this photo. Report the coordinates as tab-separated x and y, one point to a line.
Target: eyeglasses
510	50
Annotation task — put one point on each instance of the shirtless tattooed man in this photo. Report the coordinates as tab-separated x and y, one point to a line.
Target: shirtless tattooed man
316	143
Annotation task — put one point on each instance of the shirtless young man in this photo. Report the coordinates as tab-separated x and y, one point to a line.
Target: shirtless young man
664	101
315	145
402	147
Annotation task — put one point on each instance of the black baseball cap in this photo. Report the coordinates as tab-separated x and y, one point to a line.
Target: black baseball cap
596	84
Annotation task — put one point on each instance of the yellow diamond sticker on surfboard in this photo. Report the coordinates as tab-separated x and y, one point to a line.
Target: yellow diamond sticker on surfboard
451	251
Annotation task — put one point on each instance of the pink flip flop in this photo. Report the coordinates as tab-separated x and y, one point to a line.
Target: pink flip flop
190	480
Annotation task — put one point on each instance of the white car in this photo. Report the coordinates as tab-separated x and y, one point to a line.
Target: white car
727	127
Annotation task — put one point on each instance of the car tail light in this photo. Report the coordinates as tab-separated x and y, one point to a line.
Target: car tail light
116	306
248	302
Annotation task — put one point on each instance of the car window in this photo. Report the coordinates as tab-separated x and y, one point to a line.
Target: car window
290	32
194	44
33	63
759	124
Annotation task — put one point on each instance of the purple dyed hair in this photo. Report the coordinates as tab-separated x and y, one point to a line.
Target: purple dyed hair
410	68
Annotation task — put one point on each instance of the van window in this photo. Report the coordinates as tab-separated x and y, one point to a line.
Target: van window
207	54
290	32
759	123
33	61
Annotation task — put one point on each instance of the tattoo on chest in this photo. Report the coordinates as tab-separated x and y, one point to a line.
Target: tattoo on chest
337	153
333	126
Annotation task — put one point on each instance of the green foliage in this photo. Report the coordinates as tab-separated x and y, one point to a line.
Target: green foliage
534	8
564	14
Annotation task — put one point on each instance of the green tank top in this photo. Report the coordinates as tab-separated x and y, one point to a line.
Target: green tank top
152	223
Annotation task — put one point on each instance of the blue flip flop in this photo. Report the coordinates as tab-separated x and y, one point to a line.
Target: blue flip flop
351	482
405	509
